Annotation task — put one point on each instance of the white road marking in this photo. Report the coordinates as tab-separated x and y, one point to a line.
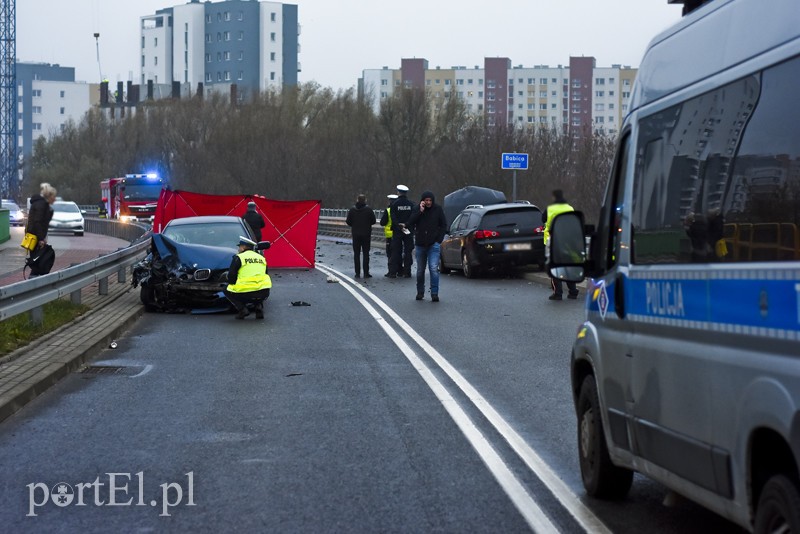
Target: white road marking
582	514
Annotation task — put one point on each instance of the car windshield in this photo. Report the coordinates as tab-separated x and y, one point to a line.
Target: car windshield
525	218
214	234
11	206
69	207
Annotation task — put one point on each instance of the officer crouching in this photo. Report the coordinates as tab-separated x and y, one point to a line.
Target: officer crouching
248	281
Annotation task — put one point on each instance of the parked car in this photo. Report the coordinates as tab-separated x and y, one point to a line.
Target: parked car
187	265
16	216
67	217
494	236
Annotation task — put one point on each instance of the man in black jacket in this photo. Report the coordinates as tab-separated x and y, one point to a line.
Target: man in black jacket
402	241
360	219
254	219
429	224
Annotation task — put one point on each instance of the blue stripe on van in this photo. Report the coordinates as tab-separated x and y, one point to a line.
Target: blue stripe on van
773	304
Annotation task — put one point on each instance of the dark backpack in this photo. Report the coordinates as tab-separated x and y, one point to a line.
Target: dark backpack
41	260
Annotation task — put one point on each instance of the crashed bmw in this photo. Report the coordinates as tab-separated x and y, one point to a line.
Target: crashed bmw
187	265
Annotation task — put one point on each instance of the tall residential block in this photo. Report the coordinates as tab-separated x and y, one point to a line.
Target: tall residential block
577	98
252	44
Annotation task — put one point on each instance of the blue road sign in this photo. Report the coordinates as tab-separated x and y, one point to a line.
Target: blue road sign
514	161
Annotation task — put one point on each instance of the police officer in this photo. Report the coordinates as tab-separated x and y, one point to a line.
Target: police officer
558	206
402	239
386	222
248	281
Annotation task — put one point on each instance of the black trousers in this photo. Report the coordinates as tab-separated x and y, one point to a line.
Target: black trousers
254	298
361	245
558	287
402	253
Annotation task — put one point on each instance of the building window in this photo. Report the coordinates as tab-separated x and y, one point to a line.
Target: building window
155	60
208	37
272	76
241	15
611	93
219	56
227	15
241	35
447	82
460	82
542	94
272	37
62	94
36	109
226	56
480	94
384	82
384	94
155	42
241	55
209	79
208	21
142	41
36	126
142	61
480	81
219	76
599	93
543	107
438	82
470	81
553	106
219	37
208	58
599	107
599	81
611	81
227	36
273	17
272	56
626	83
62	110
626	94
227	76
610	107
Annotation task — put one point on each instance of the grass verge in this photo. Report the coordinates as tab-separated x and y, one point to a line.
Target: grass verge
18	331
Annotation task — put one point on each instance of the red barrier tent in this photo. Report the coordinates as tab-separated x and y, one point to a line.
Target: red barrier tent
291	226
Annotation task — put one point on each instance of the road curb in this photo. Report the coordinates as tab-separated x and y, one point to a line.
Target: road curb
29	374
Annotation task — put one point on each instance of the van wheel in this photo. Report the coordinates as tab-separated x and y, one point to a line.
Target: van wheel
469	270
442	268
601	478
778	507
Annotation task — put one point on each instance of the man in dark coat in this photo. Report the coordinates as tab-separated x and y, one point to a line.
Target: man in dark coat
402	241
39	216
254	219
360	219
429	225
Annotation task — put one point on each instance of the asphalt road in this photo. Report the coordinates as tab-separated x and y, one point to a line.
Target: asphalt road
366	411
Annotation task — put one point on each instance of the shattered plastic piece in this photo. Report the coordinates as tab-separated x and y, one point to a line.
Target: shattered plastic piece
113	345
332	280
300	303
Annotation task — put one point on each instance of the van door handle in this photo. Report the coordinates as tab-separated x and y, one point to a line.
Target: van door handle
619	296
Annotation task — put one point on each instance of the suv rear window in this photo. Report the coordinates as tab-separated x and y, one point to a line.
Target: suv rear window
523	218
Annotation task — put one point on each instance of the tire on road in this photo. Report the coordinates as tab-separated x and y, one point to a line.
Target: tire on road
601	477
778	507
469	270
442	268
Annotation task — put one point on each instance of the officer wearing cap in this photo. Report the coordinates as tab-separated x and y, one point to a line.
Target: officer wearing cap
248	281
402	240
386	222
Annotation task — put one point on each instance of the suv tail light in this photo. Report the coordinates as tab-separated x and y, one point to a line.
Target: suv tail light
538	230
486	234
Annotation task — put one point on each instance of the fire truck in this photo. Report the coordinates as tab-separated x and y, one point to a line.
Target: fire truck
132	197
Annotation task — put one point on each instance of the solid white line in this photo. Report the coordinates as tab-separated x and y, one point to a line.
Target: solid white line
582	514
527	507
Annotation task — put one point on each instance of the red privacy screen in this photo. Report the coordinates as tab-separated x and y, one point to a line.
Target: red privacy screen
290	225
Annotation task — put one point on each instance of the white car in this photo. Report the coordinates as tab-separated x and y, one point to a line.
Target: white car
67	217
16	217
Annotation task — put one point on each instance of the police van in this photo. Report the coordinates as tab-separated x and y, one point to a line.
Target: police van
687	367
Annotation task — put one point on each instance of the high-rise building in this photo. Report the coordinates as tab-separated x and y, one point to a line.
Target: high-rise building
48	97
252	44
578	98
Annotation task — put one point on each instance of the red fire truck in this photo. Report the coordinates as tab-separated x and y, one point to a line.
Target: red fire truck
132	197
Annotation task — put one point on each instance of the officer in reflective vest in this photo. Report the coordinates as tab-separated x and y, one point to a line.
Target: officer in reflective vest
386	222
248	281
558	207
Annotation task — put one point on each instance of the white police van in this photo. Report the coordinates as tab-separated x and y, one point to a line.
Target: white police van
687	368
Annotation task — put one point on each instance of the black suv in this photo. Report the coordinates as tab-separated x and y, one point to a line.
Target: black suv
498	235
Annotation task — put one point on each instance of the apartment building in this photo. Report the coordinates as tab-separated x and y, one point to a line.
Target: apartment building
213	45
578	98
47	98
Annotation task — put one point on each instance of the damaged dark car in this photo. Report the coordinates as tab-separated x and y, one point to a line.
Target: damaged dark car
186	268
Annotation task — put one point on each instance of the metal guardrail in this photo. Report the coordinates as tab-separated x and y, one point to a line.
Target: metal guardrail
30	295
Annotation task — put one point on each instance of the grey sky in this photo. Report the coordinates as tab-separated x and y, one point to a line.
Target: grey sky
341	38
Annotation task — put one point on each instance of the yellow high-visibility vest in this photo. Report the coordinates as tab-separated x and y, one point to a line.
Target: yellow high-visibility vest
552	211
252	274
387	230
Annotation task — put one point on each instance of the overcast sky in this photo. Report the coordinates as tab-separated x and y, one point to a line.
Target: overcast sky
341	38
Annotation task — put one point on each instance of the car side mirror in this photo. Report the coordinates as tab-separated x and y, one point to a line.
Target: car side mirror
263	245
567	247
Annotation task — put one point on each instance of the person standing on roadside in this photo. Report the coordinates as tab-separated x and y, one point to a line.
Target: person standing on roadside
360	219
558	206
429	225
402	239
254	219
39	216
386	222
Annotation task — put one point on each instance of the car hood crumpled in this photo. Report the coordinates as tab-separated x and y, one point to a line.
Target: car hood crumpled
190	255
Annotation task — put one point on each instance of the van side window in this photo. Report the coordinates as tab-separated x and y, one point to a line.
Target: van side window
717	177
610	223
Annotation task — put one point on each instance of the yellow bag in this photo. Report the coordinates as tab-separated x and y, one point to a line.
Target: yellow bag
29	241
721	248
